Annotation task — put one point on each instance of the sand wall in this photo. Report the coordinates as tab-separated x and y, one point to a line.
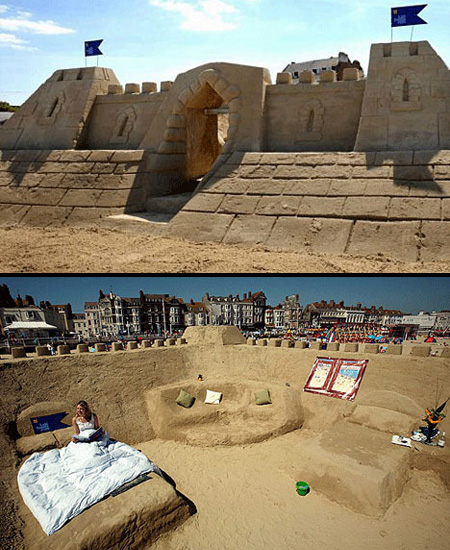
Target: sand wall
395	203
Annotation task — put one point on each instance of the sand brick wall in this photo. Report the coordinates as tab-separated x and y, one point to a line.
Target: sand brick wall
358	203
335	108
45	188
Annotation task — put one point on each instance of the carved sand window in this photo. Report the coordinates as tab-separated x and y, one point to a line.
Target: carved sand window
310	124
55	106
406	91
311	121
124	125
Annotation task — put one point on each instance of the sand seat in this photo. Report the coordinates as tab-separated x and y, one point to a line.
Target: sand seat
131	520
354	461
235	421
43	442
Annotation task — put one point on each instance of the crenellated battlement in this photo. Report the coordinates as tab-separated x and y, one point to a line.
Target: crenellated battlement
145	88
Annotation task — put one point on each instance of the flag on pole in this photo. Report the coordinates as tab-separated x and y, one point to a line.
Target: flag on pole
407	15
92	48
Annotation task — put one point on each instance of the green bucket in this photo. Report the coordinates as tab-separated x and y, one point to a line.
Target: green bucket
302	488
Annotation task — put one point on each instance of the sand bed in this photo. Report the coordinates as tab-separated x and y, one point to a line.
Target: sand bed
363	487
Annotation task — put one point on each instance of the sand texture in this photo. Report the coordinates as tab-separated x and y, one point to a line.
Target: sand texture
235	465
137	249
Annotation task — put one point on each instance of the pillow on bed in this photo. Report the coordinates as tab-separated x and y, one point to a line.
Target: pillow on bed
263	397
213	397
185	399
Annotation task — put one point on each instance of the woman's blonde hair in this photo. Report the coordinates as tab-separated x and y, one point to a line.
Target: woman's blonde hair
85	405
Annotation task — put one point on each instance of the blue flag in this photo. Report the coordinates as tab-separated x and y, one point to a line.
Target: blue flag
92	48
407	15
48	423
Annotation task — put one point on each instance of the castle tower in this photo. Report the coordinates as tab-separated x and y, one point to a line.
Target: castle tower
55	115
404	105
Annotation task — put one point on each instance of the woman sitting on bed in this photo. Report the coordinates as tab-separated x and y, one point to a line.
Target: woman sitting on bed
84	420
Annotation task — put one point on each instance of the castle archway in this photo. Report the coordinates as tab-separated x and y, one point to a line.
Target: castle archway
203	122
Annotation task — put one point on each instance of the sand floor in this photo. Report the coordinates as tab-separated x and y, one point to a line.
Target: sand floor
246	498
134	250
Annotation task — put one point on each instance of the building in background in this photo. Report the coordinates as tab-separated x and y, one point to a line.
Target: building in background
292	313
59	315
80	326
195	314
26	322
93	321
442	324
423	323
274	318
246	313
338	64
161	313
119	316
21	318
325	314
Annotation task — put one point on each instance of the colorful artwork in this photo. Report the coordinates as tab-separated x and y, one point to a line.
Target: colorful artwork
336	377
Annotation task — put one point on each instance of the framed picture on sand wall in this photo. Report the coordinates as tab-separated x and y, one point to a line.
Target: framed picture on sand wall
339	378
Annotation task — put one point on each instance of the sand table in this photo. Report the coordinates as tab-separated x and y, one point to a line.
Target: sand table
241	494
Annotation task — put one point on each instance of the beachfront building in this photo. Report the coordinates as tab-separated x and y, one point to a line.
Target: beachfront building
269	318
80	326
274	317
92	316
175	307
292	313
278	317
26	322
422	322
59	315
391	318
118	315
161	313
442	323
246	313
316	66
195	314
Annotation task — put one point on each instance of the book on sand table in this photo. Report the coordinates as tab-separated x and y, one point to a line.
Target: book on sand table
93	437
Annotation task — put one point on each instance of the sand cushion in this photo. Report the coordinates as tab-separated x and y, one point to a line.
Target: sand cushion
185	399
263	397
213	397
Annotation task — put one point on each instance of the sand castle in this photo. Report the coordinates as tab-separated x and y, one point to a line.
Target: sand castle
340	166
234	466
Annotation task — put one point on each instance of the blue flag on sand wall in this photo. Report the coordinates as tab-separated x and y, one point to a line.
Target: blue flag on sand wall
48	423
92	48
407	15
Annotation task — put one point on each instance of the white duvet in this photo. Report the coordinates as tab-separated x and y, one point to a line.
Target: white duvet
59	484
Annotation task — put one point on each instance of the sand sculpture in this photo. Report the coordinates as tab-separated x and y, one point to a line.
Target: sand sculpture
235	465
341	166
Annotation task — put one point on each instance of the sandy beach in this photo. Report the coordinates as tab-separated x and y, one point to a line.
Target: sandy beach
362	486
140	250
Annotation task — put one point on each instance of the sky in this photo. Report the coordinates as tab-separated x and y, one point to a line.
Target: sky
155	40
409	294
